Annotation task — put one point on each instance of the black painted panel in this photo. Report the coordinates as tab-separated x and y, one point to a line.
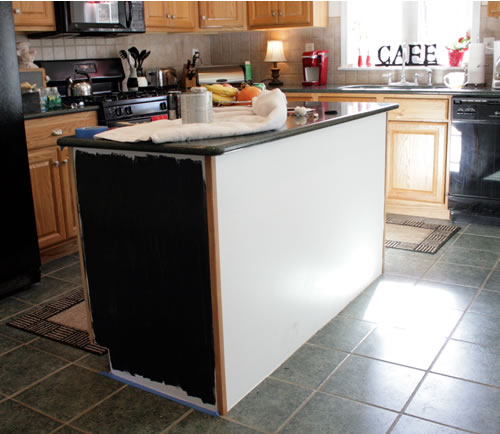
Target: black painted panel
146	255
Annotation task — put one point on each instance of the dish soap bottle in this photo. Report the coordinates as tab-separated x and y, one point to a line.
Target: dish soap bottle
360	59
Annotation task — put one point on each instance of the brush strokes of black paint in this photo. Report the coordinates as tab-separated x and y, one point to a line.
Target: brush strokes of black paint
146	254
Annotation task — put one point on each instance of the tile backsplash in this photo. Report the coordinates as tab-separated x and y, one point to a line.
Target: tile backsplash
173	49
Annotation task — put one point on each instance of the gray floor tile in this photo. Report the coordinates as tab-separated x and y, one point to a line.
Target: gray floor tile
95	362
334	415
406	347
67	429
64	351
342	333
470	362
15	334
457	274
473	257
59	263
198	422
7	344
131	410
374	382
309	366
399	264
458	403
488	302
47	289
68	392
488	231
16	418
10	306
493	281
269	405
479	242
23	366
445	295
71	273
480	329
408	424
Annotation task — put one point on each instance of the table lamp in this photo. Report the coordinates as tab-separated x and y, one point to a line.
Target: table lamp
275	54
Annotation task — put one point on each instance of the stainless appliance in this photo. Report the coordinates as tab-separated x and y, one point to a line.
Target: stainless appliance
116	107
97	18
162	77
474	160
19	255
495	82
232	74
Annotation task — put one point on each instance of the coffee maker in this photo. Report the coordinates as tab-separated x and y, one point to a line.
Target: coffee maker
315	67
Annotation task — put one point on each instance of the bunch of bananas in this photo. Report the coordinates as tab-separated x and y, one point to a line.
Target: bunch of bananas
221	93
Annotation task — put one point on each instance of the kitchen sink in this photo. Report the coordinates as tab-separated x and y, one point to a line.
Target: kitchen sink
405	87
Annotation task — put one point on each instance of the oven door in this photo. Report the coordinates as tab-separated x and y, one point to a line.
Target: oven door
100	16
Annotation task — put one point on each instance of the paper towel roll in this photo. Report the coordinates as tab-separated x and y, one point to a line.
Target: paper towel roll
477	62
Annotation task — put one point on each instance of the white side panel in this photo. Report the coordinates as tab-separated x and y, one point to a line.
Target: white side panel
301	225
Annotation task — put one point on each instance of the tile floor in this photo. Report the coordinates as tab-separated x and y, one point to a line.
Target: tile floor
416	352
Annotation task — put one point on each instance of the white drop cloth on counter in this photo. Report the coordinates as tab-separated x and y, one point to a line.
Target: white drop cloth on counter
267	113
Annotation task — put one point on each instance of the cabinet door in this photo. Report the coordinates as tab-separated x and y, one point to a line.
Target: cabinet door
216	14
493	9
47	196
347	98
262	13
68	193
295	13
34	15
155	15
416	161
182	15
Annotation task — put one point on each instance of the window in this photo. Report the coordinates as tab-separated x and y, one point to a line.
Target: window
367	26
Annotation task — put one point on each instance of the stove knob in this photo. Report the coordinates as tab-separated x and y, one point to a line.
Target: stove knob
497	113
128	110
118	111
163	106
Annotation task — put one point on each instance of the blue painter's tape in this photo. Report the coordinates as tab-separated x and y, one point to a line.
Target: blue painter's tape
88	132
163	395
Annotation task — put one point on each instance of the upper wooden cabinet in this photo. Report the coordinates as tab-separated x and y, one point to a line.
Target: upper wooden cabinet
215	15
494	9
287	14
170	16
34	16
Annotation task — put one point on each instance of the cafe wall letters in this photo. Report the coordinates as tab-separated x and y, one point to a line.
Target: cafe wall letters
415	55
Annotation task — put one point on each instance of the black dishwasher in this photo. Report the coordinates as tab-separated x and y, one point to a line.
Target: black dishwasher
474	160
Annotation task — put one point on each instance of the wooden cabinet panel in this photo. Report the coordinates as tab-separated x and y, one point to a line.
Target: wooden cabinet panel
294	13
47	196
494	9
416	161
33	15
168	16
220	14
67	184
347	98
419	109
45	131
262	14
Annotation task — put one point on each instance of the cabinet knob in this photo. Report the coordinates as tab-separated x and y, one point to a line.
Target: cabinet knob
57	132
169	16
273	13
174	17
203	17
56	163
65	161
17	11
280	13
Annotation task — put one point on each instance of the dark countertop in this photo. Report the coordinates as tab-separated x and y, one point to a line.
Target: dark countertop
422	90
345	112
64	111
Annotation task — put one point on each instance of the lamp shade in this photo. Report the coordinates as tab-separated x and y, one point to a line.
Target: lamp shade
275	52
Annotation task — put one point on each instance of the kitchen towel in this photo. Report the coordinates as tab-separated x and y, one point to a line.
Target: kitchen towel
268	112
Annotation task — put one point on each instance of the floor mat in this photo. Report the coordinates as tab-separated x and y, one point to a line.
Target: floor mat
410	233
63	320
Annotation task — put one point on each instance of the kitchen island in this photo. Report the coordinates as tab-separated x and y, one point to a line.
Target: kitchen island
209	262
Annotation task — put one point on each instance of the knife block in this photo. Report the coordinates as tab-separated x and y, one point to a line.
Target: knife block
189	82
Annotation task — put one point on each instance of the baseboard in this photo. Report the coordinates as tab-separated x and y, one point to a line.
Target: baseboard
62	249
418	210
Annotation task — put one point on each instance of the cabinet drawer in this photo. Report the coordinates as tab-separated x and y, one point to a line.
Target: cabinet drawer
45	131
419	109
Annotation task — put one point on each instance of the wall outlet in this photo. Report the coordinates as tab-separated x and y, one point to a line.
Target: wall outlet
196	51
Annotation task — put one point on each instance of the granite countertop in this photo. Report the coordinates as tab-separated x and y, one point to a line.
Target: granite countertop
375	89
345	112
58	112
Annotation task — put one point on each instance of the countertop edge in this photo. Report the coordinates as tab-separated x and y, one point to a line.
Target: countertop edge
201	147
60	112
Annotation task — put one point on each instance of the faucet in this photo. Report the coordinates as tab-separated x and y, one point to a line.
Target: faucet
429	75
403	70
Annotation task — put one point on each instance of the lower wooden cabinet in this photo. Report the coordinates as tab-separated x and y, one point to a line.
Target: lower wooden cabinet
416	162
52	178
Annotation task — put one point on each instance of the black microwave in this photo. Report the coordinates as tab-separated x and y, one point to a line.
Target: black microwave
99	17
